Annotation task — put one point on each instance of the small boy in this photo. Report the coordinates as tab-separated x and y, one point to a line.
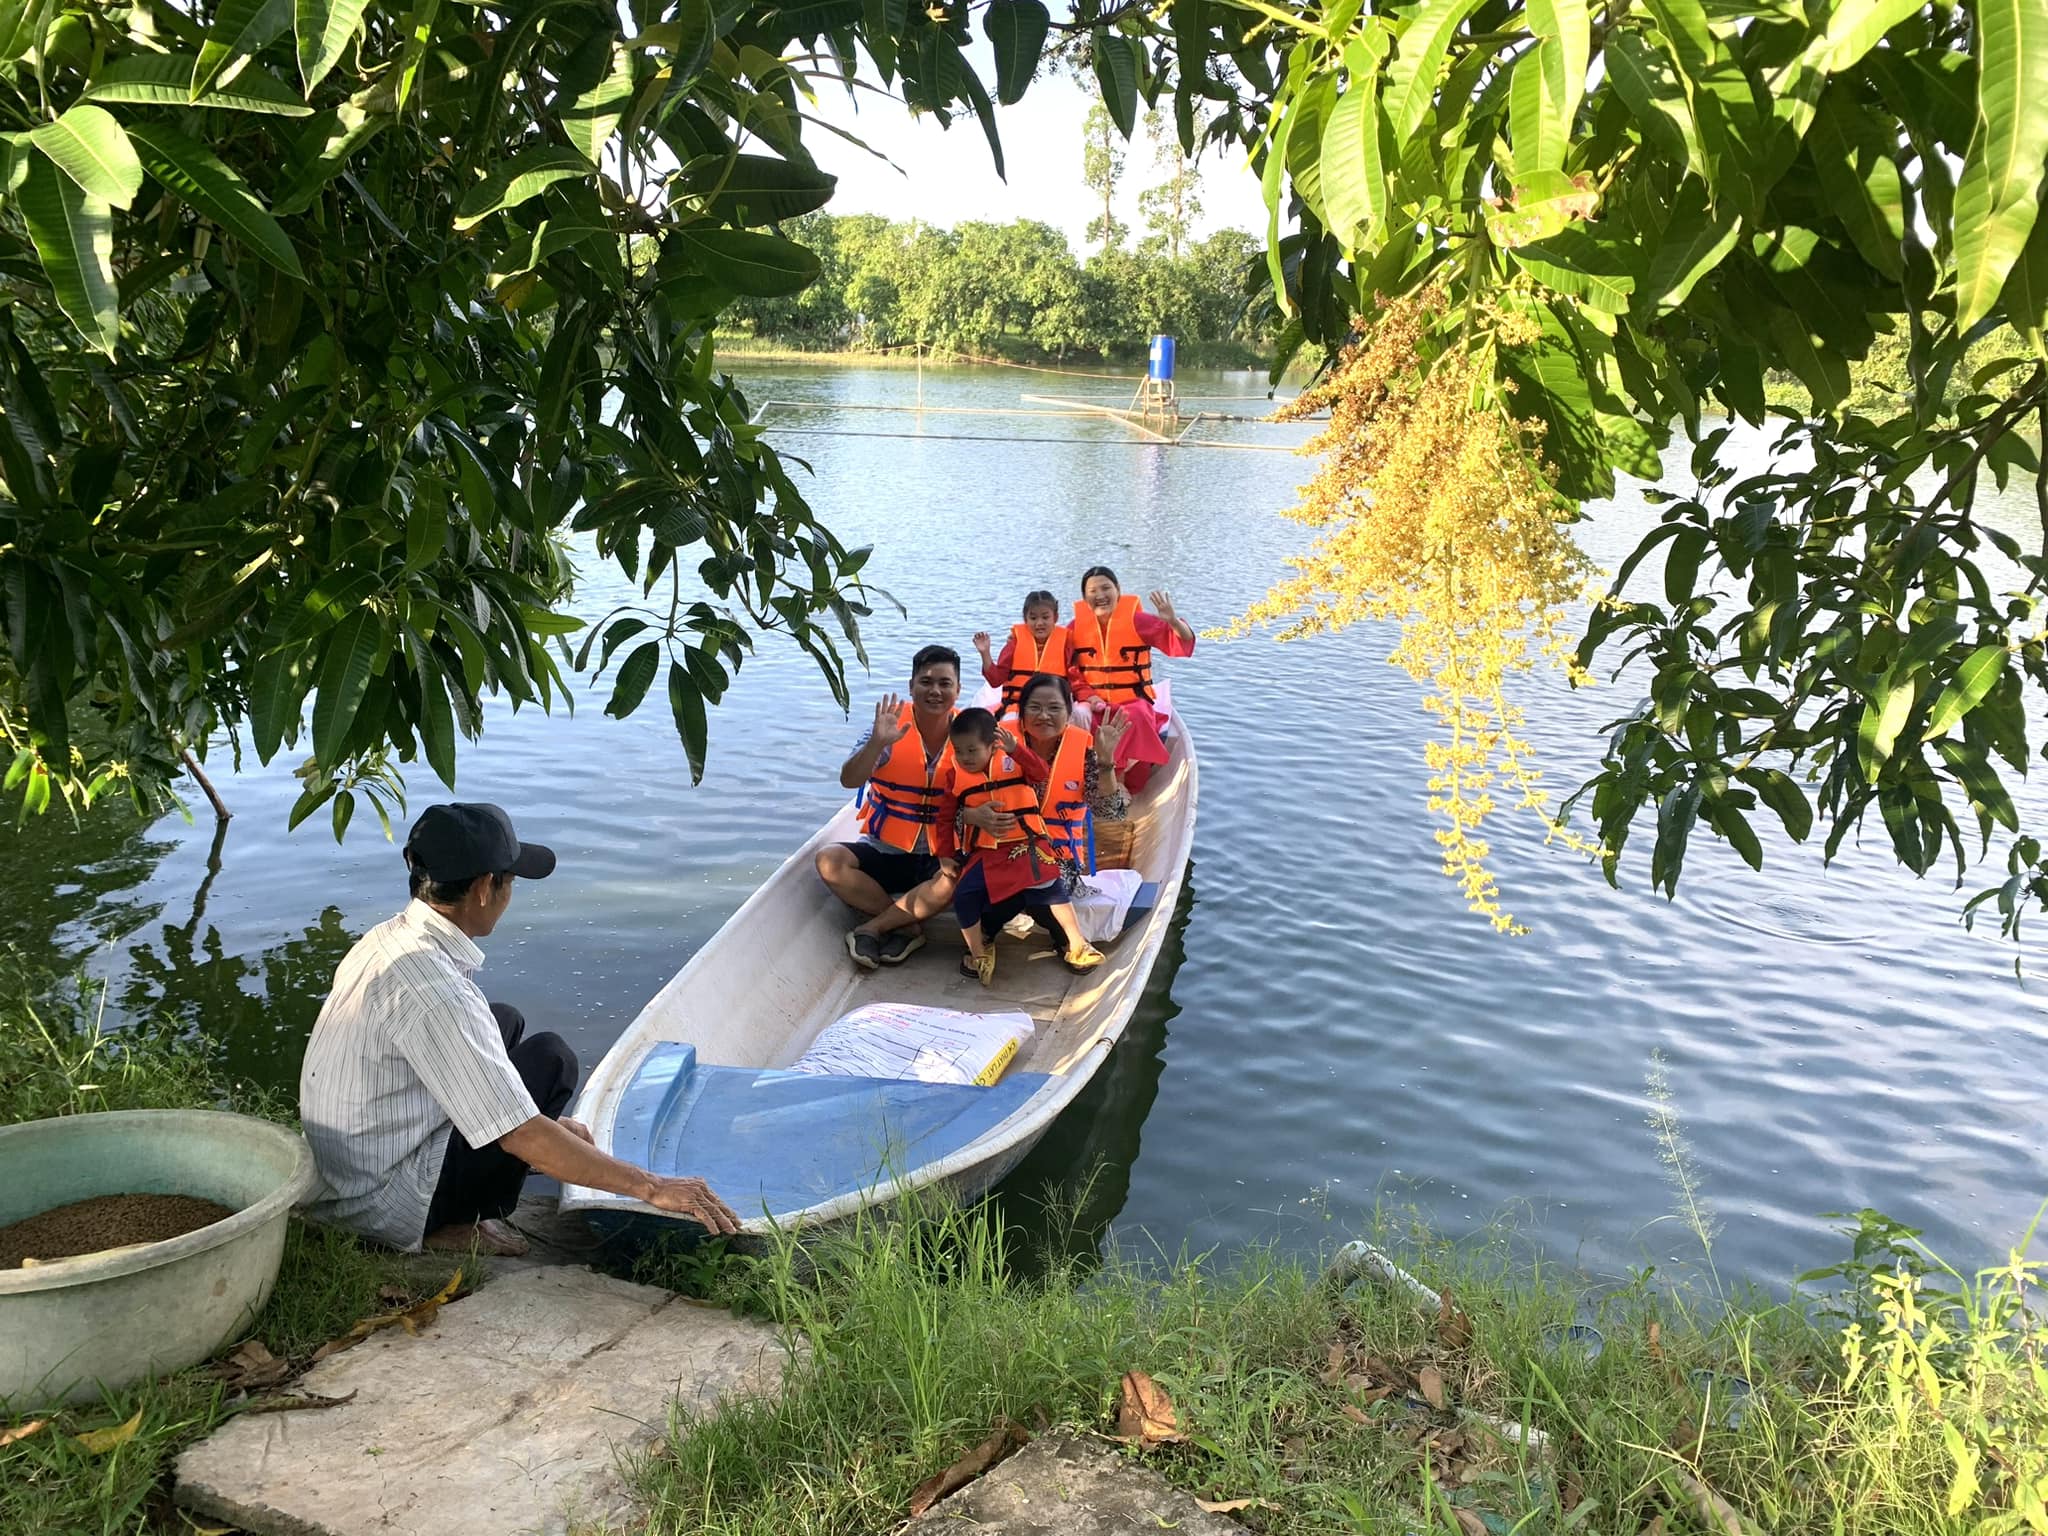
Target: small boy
989	832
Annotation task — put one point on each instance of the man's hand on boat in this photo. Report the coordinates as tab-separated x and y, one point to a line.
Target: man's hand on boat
692	1198
565	1150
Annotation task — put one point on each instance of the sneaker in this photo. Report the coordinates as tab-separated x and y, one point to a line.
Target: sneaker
865	948
1086	958
982	968
899	946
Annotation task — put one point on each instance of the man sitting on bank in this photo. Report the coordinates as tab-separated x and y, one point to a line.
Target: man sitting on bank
425	1105
897	768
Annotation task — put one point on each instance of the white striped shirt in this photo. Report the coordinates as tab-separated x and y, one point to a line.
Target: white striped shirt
405	1046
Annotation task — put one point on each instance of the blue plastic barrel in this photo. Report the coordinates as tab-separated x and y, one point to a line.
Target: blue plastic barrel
1161	366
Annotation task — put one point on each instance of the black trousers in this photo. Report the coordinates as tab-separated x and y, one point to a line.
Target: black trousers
482	1182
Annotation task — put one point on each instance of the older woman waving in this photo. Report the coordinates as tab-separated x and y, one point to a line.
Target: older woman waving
1084	778
1113	643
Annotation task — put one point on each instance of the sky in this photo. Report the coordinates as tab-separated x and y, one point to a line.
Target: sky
946	175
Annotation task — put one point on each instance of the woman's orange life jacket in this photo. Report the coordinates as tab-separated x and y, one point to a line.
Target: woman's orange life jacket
1117	665
1027	659
900	801
1063	801
1003	785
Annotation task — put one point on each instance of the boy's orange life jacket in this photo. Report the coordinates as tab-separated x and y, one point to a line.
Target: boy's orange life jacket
901	799
1026	659
1118	665
1003	785
1063	801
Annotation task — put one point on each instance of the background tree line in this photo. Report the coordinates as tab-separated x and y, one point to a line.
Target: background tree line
1019	288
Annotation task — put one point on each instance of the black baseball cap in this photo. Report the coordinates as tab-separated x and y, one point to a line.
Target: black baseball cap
462	841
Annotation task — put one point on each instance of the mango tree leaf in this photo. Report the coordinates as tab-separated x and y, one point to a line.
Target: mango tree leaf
194	173
756	189
165	80
89	147
593	117
2025	299
324	28
1421	43
418	30
74	236
1548	84
1573	262
1781	792
1543	204
1853	156
1116	72
686	704
757	265
1966	690
1352	171
527	174
633	679
339	134
346	664
1644	79
1998	194
241	29
1016	30
1696	239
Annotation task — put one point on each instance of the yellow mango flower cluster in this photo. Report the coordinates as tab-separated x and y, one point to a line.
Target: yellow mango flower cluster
1435	513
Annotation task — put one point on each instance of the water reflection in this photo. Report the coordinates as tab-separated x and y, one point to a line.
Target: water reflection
1063	1196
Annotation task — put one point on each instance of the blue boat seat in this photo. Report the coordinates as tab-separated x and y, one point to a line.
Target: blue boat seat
1141	906
776	1142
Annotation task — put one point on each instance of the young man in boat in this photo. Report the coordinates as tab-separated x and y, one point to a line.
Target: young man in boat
425	1104
891	875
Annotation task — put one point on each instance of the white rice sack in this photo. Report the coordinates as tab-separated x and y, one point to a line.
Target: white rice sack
912	1044
1103	900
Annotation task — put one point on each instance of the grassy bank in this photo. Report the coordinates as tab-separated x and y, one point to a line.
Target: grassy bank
1122	366
1900	1399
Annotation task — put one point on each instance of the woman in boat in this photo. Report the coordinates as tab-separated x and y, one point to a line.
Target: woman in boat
1040	644
1113	642
1082	782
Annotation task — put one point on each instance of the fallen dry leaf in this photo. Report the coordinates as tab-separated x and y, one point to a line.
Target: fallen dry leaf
1007	1438
1429	1381
393	1295
1232	1506
1333	1372
1657	1342
1146	1415
97	1442
1354	1413
293	1402
1469	1523
21	1431
412	1319
1453	1325
1656	1527
1716	1511
1295	1448
251	1368
194	1528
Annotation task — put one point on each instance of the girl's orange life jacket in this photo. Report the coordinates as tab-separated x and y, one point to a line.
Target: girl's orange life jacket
1063	801
1026	659
1117	665
901	799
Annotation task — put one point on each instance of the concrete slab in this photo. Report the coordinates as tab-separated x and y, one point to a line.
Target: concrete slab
1063	1485
506	1417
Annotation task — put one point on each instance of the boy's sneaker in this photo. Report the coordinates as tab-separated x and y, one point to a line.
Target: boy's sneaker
899	946
865	948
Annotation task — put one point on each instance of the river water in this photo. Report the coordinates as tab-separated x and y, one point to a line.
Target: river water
1328	1031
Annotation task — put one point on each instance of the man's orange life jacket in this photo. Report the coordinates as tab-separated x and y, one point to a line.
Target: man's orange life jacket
901	799
1063	801
1026	659
1117	665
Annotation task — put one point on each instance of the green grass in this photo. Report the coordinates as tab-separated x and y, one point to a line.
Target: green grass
917	1339
57	1058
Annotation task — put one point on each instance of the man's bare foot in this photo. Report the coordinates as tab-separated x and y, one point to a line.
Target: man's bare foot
492	1237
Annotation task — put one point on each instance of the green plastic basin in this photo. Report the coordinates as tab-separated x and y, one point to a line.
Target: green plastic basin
68	1330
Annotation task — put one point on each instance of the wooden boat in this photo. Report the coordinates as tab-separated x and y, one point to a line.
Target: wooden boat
698	1083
